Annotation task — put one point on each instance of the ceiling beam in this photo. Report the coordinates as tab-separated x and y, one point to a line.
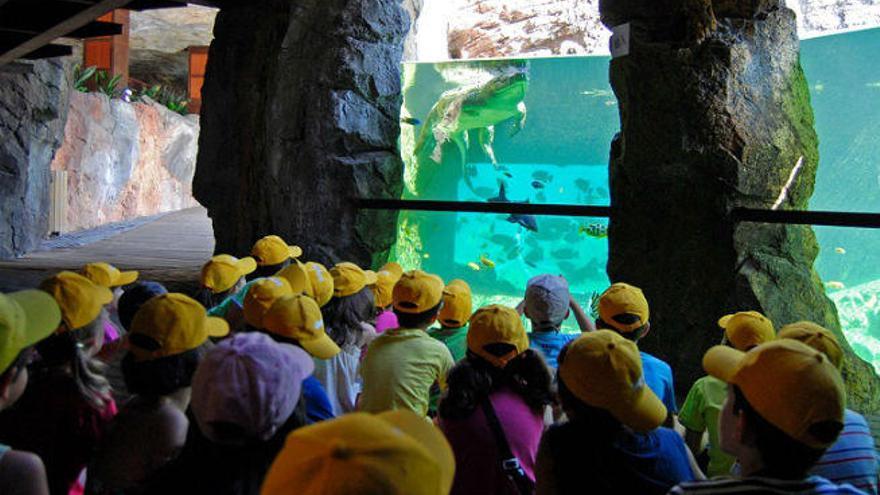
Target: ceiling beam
95	29
64	27
47	51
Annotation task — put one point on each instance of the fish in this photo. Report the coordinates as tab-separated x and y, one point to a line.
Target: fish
564	254
542	175
508	175
597	230
834	284
410	121
526	221
537	184
541	197
875	85
534	256
819	87
602	192
426	256
473	266
486	261
530	263
610	103
502	240
561	190
582	184
839	250
597	92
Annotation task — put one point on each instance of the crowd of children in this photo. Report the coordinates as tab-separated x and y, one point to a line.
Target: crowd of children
285	377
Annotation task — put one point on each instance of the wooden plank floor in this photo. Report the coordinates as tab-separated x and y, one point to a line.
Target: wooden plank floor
170	249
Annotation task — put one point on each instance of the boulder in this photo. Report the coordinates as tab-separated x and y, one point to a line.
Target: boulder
300	114
33	110
715	114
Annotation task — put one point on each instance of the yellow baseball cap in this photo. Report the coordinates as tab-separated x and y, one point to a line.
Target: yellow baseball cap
620	299
417	292
386	277
80	299
457	304
604	369
299	317
815	336
26	317
496	324
747	329
223	271
349	279
395	452
296	276
260	297
322	282
173	323
273	250
107	275
790	384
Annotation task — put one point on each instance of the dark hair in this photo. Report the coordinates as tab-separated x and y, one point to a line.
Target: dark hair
343	316
65	349
624	319
19	363
783	456
207	298
472	380
134	297
600	423
417	320
162	376
268	270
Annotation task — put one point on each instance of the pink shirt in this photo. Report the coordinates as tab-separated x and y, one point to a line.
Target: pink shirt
386	320
476	454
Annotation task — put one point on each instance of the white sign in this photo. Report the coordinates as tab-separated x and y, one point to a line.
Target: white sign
619	42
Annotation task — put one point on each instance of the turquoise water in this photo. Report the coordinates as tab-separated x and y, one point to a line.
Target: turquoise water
543	128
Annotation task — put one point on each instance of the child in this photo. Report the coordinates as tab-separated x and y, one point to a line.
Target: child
396	452
453	318
223	276
624	309
403	363
547	304
166	345
702	406
500	378
613	442
109	276
26	317
272	254
386	277
347	316
784	408
67	407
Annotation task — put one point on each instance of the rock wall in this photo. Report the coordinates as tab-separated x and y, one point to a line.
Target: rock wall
816	17
125	160
300	114
714	114
33	109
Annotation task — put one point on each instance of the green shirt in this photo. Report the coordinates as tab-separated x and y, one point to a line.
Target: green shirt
454	338
399	369
700	412
221	309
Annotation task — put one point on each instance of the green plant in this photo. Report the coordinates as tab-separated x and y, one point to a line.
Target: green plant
151	92
174	101
106	84
81	76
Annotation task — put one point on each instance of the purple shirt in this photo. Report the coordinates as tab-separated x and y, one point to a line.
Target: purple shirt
476	453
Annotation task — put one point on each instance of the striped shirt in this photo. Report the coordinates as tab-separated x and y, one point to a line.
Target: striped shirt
852	459
814	485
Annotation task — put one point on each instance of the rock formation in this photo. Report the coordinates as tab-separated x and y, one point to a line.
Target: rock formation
125	160
715	114
33	109
300	115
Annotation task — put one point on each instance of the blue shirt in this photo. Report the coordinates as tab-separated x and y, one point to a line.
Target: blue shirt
658	376
852	458
814	485
318	407
550	342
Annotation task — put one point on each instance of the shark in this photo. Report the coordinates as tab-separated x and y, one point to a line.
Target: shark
527	221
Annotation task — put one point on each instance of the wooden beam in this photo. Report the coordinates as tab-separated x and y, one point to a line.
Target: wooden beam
48	51
155	4
71	24
96	29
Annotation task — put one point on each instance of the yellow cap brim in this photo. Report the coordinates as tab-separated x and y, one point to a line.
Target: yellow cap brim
295	251
103	295
722	322
216	327
428	436
322	347
370	277
722	362
246	265
645	414
42	314
126	278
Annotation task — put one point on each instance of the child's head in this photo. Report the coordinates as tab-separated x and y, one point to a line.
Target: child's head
134	297
322	282
417	298
107	275
746	329
457	304
82	304
247	388
297	319
222	276
785	405
817	337
547	302
386	277
496	334
360	453
260	297
272	254
624	309
26	317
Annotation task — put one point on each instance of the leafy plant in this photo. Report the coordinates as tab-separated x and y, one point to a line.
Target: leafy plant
151	92
174	101
81	76
106	84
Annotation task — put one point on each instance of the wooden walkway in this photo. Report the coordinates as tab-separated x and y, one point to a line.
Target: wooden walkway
170	249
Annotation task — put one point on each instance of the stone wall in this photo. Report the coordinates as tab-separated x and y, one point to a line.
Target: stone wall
125	160
33	109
